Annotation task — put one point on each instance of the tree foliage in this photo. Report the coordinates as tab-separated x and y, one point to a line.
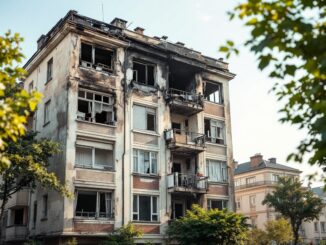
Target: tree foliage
200	226
15	103
289	38
279	231
29	159
257	237
123	236
294	202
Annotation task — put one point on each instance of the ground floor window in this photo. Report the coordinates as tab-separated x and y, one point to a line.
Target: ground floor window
94	204
216	203
145	208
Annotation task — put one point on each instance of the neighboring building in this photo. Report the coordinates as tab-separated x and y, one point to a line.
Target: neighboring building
253	180
315	231
145	131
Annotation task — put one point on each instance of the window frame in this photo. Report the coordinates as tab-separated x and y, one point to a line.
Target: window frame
92	63
49	70
34	220
252	201
45	206
217	131
148	111
109	215
151	153
93	164
223	169
220	94
110	103
146	64
224	203
151	208
47	110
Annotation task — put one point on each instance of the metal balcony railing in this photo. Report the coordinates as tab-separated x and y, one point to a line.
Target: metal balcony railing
94	215
187	181
257	183
185	137
183	96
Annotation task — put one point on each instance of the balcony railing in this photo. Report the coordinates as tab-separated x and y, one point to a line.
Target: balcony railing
187	181
257	183
94	215
185	137
183	102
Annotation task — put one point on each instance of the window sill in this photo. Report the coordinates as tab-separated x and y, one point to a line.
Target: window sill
93	220
100	124
214	103
98	169
150	176
45	124
146	222
107	73
145	132
150	87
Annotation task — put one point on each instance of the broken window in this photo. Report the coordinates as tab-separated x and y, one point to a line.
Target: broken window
95	107
213	92
219	204
47	110
49	72
145	208
94	155
216	171
145	162
143	73
93	204
95	57
144	118
176	127
214	131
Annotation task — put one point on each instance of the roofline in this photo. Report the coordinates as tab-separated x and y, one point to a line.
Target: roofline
252	170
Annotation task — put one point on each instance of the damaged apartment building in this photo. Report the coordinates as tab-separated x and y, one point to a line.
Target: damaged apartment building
144	127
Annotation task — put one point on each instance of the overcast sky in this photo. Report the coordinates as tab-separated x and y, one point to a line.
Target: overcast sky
201	25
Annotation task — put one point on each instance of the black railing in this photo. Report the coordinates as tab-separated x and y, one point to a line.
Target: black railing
257	183
185	137
190	181
183	96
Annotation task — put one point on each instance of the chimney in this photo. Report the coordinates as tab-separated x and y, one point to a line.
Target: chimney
164	37
119	23
139	30
40	41
256	160
180	44
272	160
235	164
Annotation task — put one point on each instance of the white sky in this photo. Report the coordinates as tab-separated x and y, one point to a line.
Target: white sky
202	25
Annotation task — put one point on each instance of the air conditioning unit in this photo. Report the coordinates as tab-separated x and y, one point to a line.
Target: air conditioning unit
169	134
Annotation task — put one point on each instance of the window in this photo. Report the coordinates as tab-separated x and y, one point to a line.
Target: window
96	57
93	204
213	92
219	204
316	226
322	227
238	204
31	86
45	206
214	131
143	73
145	208
144	118
35	214
49	72
252	201
47	110
216	171
237	183
250	181
275	177
95	107
176	127
94	155
253	222
145	162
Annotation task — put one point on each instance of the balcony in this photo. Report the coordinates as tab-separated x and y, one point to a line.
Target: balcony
184	142
257	184
178	182
184	103
20	198
16	233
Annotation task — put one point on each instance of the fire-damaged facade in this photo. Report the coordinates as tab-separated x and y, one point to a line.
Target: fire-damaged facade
145	131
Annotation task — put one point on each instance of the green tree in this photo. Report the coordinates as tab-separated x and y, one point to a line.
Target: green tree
123	236
257	237
29	159
294	202
288	37
16	104
279	231
200	226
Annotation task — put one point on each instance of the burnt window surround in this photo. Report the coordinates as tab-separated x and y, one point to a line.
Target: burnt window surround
143	73
213	92
98	58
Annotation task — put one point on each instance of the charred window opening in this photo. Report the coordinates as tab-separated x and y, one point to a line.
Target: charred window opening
144	118
176	127
143	73
92	204
182	77
18	218
214	131
95	107
213	92
95	57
